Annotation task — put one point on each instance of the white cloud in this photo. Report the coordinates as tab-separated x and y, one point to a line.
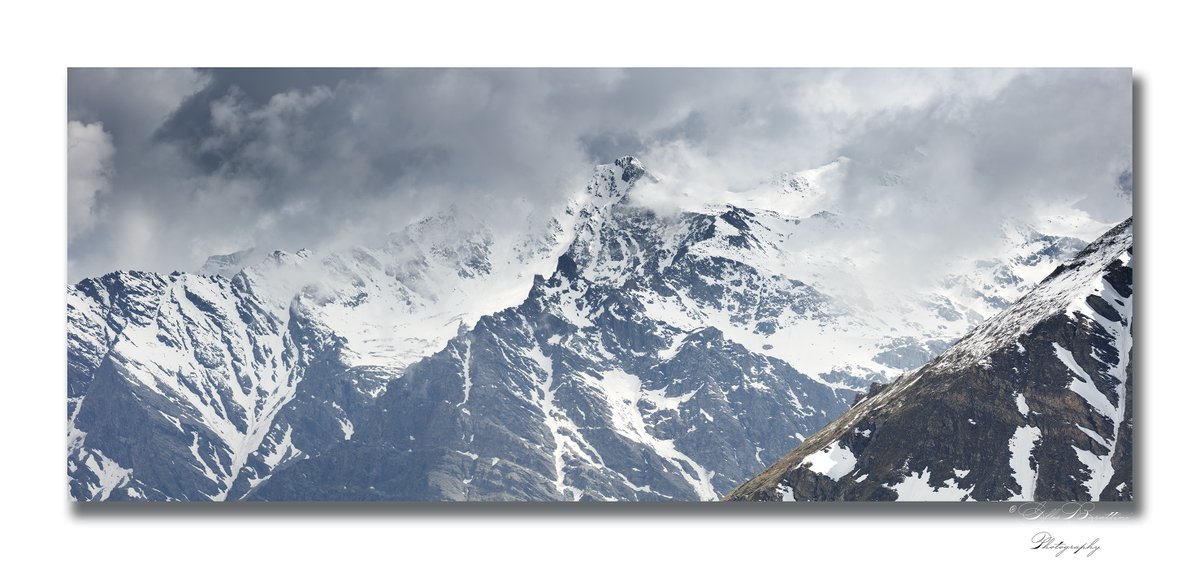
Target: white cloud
89	168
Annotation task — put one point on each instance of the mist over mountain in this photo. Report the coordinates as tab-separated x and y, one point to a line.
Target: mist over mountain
564	284
171	166
616	352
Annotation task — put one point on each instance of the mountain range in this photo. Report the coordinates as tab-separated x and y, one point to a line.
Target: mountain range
613	352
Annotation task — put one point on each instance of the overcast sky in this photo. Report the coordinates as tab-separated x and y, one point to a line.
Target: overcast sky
167	167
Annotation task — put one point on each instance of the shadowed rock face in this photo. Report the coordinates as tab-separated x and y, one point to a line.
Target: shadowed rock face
1035	404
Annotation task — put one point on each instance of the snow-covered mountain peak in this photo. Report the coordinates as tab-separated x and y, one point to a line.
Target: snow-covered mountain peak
610	183
227	265
795	194
230	264
631	168
777	241
281	257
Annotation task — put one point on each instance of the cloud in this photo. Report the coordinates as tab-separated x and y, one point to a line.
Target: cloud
268	140
89	165
132	102
214	161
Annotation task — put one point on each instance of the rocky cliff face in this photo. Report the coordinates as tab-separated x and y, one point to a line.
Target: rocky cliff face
1035	404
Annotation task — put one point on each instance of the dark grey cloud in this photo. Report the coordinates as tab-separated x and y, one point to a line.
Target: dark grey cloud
193	122
171	166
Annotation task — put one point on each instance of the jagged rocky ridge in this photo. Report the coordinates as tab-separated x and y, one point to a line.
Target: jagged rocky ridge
199	386
662	357
1035	404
